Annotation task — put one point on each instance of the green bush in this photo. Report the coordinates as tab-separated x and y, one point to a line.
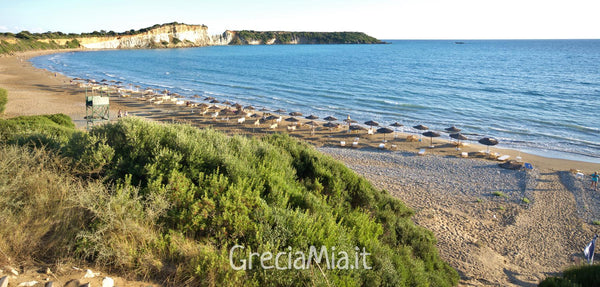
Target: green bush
499	194
174	199
52	131
3	100
587	275
73	44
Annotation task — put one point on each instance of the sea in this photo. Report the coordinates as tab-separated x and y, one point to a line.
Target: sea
536	96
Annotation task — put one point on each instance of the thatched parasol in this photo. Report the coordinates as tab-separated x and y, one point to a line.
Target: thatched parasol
431	134
452	129
385	131
488	142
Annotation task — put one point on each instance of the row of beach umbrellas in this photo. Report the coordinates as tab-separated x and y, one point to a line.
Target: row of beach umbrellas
453	131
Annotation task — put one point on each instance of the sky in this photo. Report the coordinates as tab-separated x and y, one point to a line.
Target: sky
383	19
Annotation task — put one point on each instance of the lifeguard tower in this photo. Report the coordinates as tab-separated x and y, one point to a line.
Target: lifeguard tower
96	107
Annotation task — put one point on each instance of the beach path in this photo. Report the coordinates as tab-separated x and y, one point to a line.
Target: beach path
491	240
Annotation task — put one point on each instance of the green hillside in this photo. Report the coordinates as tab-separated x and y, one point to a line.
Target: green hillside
246	36
168	202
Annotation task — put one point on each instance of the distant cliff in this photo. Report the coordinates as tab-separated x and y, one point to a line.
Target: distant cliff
167	36
171	35
246	37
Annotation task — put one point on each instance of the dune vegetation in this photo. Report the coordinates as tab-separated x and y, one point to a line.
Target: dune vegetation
167	202
580	275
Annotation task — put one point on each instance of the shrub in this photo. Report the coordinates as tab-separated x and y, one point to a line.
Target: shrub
525	200
36	221
174	199
587	275
596	222
73	44
499	194
52	131
3	100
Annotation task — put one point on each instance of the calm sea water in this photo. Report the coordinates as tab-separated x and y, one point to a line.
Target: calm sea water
539	96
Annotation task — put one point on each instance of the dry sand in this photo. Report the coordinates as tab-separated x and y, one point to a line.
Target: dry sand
490	240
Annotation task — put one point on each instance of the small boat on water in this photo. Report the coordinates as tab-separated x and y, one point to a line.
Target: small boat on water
459	43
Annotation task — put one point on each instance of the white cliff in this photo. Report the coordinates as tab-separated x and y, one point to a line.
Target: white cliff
171	35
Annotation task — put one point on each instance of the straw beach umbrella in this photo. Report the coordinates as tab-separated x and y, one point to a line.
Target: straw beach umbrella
330	118
452	129
311	123
311	117
385	131
357	128
292	120
331	125
271	118
431	134
372	123
421	128
459	137
279	111
488	142
396	125
296	114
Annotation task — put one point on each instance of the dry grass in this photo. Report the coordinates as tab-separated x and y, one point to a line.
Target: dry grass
35	219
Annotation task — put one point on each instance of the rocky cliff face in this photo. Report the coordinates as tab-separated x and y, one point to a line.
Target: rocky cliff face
182	35
176	35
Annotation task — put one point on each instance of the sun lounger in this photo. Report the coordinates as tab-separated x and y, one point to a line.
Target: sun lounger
342	143
421	151
579	175
291	128
370	131
528	165
273	126
394	147
519	159
382	146
355	144
241	120
464	154
503	158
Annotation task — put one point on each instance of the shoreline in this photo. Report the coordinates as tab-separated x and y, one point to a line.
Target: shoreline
490	240
572	157
60	96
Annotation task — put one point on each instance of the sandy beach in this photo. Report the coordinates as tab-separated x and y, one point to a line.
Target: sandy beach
491	240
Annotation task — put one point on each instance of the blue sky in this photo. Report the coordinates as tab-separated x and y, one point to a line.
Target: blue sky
384	19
